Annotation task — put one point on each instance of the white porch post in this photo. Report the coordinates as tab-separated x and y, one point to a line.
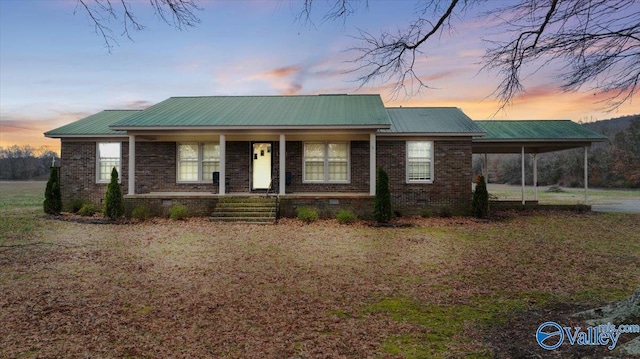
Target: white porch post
132	165
282	176
535	177
223	160
372	164
485	169
523	202
586	174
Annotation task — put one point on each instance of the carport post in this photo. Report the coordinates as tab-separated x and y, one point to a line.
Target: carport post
586	174
522	175
485	169
223	165
535	177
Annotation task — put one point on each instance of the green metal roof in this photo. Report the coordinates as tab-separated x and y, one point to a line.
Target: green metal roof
94	125
430	120
261	112
531	130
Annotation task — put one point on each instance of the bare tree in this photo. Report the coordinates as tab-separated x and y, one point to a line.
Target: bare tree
179	13
596	44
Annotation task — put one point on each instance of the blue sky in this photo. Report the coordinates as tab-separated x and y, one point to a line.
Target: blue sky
54	69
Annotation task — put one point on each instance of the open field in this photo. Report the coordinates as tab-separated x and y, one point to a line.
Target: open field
445	287
617	200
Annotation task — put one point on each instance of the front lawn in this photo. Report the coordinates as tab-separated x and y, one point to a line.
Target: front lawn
446	287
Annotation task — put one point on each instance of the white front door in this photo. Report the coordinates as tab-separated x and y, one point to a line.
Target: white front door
261	165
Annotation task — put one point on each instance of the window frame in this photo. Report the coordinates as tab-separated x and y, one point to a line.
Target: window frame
326	162
430	160
199	161
99	161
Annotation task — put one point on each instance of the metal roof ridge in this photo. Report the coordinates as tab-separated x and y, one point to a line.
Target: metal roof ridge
236	96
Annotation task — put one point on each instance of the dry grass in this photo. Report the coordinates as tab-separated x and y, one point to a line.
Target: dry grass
199	289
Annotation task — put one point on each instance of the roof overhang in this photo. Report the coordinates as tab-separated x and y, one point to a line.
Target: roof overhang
247	128
530	145
429	134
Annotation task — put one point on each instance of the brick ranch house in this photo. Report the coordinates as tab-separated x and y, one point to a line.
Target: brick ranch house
319	150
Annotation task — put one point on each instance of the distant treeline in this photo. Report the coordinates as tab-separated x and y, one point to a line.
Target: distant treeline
20	163
612	164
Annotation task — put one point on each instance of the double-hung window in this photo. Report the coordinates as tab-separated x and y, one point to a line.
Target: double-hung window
420	161
197	161
326	162
108	156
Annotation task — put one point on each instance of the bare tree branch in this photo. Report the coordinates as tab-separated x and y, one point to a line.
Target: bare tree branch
596	44
178	13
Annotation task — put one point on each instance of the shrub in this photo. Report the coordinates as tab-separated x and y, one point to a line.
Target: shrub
75	205
446	212
480	201
178	212
307	214
52	197
382	204
142	212
345	216
87	210
113	200
426	213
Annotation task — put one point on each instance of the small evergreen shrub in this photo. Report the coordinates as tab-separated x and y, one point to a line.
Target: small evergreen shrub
345	216
52	197
426	213
446	212
480	200
113	199
75	205
382	203
87	210
178	212
141	212
307	214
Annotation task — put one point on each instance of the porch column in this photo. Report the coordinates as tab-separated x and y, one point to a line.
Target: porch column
586	174
132	165
485	169
223	160
282	176
535	177
372	164
523	202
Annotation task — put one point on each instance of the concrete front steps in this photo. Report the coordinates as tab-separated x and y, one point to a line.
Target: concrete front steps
260	210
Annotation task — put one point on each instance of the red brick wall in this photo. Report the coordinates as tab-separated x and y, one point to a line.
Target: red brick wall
156	172
359	170
452	177
78	172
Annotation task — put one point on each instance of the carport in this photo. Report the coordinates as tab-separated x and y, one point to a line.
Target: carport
534	137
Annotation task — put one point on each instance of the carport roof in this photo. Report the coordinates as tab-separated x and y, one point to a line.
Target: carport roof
536	136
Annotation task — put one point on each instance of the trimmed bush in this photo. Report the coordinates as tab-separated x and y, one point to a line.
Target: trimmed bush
87	210
113	199
75	205
142	212
382	204
426	213
345	216
307	214
178	212
446	212
52	197
480	201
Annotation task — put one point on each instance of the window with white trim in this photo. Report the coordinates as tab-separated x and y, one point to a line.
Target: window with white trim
108	157
420	161
326	162
196	161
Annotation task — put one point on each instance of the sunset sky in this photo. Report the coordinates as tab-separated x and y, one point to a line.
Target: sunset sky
54	69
